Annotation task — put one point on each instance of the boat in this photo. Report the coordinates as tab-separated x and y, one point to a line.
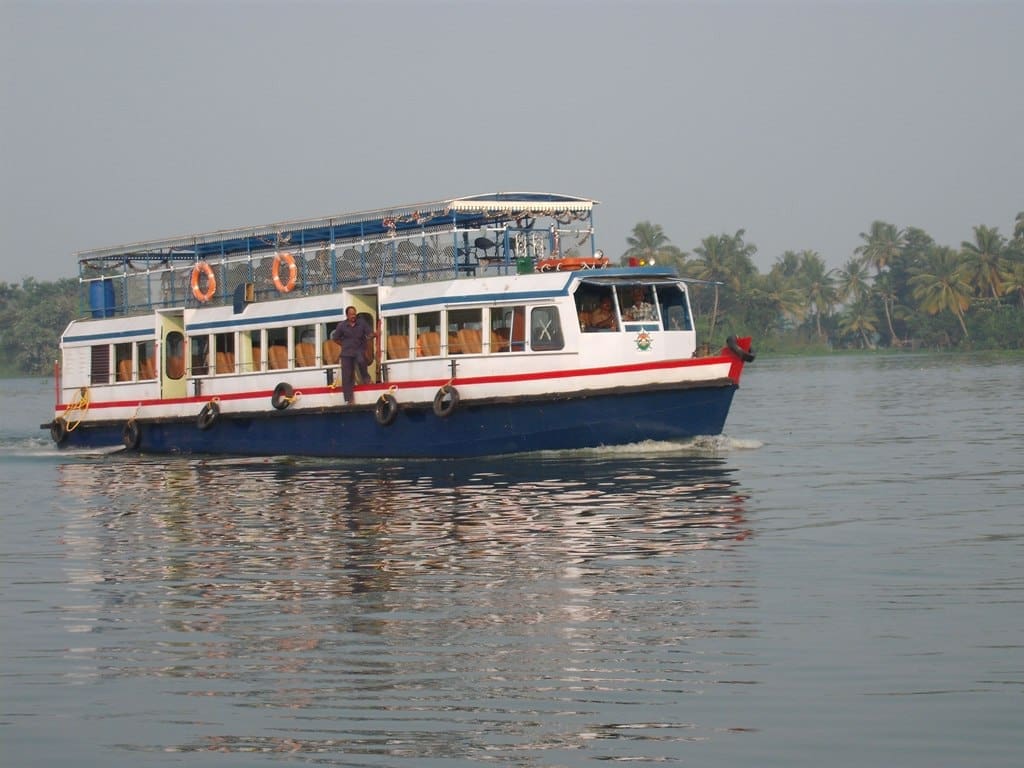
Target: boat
480	307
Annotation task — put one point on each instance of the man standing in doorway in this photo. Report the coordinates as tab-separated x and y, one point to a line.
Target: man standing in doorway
352	333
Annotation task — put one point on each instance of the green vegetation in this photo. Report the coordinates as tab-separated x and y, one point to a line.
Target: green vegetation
899	289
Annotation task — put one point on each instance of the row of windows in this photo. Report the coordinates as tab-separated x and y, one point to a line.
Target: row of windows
471	331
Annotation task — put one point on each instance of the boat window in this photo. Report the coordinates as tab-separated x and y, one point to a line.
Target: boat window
99	368
545	329
305	346
331	349
200	358
675	311
277	348
464	336
225	359
639	307
508	329
147	359
596	309
396	343
250	352
174	355
123	361
428	334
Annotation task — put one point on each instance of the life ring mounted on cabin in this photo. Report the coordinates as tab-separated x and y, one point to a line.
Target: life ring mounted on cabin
199	271
284	286
572	263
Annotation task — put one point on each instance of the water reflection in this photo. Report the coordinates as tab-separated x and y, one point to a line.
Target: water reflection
465	610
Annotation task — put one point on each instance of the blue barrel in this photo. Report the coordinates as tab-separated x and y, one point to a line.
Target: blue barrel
101	298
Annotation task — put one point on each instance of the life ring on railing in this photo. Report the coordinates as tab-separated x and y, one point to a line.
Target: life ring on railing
293	272
198	271
572	263
58	430
131	435
386	409
283	396
445	400
208	416
739	351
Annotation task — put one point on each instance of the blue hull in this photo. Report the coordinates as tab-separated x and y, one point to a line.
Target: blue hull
484	429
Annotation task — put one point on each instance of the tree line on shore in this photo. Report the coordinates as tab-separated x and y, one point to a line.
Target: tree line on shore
899	289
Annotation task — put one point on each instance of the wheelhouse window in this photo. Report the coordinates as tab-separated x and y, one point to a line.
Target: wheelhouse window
675	309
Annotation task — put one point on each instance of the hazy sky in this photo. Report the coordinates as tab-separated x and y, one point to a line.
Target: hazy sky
800	122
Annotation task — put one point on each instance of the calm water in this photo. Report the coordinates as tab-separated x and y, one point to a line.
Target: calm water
838	581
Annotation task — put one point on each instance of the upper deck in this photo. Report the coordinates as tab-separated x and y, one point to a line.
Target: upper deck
495	233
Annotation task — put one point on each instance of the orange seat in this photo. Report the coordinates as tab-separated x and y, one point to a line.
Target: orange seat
305	355
428	344
147	369
398	346
278	354
471	341
225	362
124	370
332	352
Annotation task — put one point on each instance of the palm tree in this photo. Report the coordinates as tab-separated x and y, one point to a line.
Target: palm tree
724	259
881	245
983	260
818	285
780	292
650	244
859	319
852	281
941	284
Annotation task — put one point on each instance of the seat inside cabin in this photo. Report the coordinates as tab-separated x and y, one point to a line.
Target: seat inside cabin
428	344
332	352
471	341
398	346
225	362
305	355
277	357
124	370
147	369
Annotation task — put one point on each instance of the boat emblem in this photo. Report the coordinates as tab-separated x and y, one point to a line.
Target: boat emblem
643	341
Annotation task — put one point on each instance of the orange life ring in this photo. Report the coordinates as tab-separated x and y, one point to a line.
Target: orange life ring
198	271
572	263
293	272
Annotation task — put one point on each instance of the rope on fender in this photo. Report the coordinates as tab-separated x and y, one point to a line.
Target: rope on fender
80	404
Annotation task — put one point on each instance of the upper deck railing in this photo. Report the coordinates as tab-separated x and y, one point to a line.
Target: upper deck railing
487	234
